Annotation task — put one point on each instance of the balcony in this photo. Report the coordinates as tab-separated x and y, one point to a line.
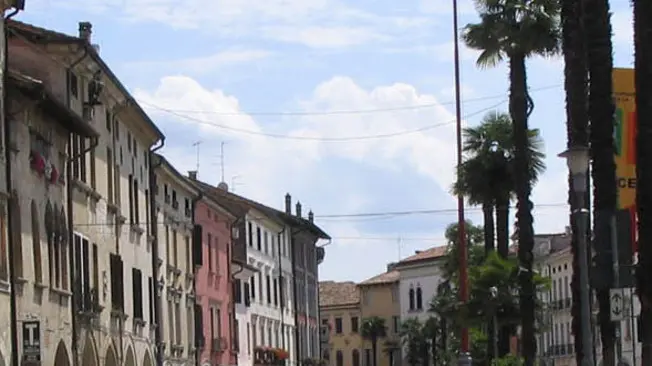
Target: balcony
175	205
188	212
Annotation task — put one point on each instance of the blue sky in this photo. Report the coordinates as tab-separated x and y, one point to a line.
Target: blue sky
310	72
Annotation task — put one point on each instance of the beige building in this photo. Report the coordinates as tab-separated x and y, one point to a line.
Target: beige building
40	128
380	297
109	191
341	319
174	197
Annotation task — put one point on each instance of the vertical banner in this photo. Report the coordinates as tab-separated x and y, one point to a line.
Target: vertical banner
625	139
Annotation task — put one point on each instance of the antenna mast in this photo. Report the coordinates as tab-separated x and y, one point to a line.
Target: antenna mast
222	159
196	145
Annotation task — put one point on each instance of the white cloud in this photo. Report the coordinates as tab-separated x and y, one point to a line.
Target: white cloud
203	64
324	37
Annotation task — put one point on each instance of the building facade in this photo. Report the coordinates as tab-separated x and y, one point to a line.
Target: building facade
305	258
39	136
341	319
109	181
379	296
174	199
214	282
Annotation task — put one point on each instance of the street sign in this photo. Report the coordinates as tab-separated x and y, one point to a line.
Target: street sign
617	304
32	342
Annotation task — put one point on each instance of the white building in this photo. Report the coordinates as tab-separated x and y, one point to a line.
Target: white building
174	197
419	278
553	259
111	246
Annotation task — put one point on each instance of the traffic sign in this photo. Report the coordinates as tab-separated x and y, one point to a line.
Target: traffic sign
32	342
617	304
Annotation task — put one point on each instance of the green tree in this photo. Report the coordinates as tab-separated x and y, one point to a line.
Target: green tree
577	121
414	341
373	328
601	111
643	65
516	30
474	237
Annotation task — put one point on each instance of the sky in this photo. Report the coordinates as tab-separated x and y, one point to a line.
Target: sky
346	105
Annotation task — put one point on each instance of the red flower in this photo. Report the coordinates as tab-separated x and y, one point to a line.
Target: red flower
37	162
55	175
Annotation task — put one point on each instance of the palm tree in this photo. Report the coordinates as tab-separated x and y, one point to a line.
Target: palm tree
597	36
487	178
372	329
516	30
575	79
643	65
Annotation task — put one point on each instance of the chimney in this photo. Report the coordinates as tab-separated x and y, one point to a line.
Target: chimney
192	174
311	216
85	31
96	47
568	230
417	251
288	204
391	266
298	209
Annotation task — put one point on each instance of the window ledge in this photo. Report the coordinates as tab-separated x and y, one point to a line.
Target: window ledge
140	322
61	292
136	228
40	285
5	287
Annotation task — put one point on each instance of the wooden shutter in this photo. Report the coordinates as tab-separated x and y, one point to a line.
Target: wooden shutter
199	326
197	252
137	280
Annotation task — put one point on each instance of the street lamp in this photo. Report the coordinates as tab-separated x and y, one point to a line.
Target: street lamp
577	159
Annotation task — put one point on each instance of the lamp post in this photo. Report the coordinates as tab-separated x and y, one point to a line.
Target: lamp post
464	355
577	159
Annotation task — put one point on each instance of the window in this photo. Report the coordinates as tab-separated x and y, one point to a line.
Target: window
210	252
354	324
266	242
269	289
339	358
237	291
151	300
36	244
175	249
258	238
170	323
419	298
411	297
275	292
17	245
177	324
253	287
355	357
367	356
73	84
338	325
251	234
107	119
131	199
218	317
260	287
189	269
248	339
136	202
117	282
92	167
262	335
168	251
190	322
109	174
137	286
395	324
4	271
566	287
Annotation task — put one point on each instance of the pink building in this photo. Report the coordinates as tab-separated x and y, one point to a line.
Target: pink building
213	284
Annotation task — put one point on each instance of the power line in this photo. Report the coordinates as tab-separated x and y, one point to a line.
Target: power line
341	112
327	139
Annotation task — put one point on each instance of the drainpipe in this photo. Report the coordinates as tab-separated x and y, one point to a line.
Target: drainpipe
280	286
294	297
10	234
193	207
318	312
154	230
69	209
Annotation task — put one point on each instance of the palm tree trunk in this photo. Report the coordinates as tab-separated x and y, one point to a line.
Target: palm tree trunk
518	107
488	213
601	111
502	234
575	72
374	348
502	225
643	64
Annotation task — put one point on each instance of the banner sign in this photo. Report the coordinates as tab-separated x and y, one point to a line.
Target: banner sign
625	139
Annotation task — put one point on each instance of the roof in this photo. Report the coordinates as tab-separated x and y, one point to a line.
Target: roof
333	293
43	35
176	174
243	204
425	255
383	278
35	89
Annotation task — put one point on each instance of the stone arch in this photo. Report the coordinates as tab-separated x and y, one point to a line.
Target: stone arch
130	359
89	356
147	359
61	357
110	358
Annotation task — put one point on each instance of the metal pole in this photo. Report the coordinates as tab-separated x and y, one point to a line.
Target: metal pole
616	269
585	291
464	356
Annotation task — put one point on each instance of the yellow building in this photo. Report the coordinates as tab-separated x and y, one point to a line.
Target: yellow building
380	297
339	311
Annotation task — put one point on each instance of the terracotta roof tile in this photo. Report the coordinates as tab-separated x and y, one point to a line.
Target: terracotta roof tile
338	293
387	277
428	254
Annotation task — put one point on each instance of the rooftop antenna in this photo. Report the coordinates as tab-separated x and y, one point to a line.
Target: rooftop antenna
222	159
399	242
196	145
234	182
